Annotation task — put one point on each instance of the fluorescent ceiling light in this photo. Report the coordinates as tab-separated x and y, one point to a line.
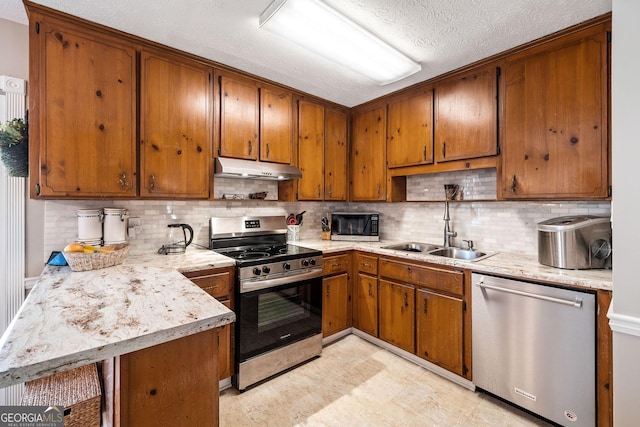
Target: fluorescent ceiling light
317	27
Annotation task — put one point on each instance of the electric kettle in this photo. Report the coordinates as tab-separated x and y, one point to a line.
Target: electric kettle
177	241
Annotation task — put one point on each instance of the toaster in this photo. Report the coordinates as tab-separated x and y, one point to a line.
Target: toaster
577	242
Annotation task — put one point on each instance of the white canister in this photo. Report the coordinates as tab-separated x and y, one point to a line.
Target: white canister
116	224
90	225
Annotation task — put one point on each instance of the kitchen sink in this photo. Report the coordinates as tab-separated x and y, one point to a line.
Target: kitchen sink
458	253
412	247
437	250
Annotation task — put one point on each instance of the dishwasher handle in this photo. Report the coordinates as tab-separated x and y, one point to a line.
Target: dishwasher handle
577	303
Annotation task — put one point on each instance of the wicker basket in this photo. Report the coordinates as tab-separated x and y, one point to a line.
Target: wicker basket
78	390
80	261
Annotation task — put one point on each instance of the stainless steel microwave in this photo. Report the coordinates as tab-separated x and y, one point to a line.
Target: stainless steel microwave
355	226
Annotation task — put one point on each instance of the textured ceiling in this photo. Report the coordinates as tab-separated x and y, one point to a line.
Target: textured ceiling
441	35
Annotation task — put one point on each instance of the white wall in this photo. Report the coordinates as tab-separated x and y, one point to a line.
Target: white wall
625	312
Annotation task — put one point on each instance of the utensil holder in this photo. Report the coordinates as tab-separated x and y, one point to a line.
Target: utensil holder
293	233
326	235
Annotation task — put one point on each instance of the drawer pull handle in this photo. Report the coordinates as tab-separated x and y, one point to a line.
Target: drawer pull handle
210	287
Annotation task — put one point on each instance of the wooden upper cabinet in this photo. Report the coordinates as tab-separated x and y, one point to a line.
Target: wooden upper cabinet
83	113
311	150
175	126
335	155
322	152
466	116
410	130
368	155
556	138
239	117
276	125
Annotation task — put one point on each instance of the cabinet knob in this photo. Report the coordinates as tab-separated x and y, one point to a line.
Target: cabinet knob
123	180
424	306
328	289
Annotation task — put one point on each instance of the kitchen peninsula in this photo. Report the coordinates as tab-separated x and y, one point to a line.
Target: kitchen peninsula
134	313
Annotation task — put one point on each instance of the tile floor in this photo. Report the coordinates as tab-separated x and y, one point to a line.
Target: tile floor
355	383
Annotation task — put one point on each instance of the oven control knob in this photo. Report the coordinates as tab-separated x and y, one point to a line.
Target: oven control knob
256	271
266	269
286	266
312	261
305	263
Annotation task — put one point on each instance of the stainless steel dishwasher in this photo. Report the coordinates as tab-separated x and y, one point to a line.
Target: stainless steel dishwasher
535	345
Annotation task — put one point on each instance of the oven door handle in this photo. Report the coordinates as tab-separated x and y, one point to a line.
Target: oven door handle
248	286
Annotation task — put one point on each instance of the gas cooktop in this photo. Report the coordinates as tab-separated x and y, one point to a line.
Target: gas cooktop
248	255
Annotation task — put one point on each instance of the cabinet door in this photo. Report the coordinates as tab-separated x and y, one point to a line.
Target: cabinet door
84	118
156	380
365	310
175	127
555	142
410	130
396	314
276	125
335	155
368	159
439	334
239	107
311	150
334	304
466	117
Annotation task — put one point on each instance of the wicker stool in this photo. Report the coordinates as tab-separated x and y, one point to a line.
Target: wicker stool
78	390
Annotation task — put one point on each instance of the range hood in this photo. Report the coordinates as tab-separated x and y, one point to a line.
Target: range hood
249	169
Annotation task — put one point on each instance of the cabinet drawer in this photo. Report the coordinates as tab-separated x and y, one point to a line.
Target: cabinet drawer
335	264
216	285
433	278
367	264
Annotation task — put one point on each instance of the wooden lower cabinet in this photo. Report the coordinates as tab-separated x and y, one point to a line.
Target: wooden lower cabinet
396	314
422	311
169	384
439	327
219	283
365	309
336	293
335	303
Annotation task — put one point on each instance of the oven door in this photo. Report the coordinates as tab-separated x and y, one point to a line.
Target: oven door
274	317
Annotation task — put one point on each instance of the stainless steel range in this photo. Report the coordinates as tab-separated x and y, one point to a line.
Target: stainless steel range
278	296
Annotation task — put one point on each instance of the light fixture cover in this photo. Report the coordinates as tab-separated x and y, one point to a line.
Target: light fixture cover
315	26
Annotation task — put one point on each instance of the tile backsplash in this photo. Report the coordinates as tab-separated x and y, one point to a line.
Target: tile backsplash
492	225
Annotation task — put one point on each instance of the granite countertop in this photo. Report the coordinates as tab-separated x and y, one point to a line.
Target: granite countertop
506	264
194	259
72	319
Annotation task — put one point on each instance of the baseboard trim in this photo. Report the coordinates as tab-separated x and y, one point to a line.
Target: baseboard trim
622	323
404	354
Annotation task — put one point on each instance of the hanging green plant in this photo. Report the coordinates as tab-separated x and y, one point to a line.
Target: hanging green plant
14	147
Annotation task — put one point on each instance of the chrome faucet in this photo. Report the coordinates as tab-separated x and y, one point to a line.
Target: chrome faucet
448	234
